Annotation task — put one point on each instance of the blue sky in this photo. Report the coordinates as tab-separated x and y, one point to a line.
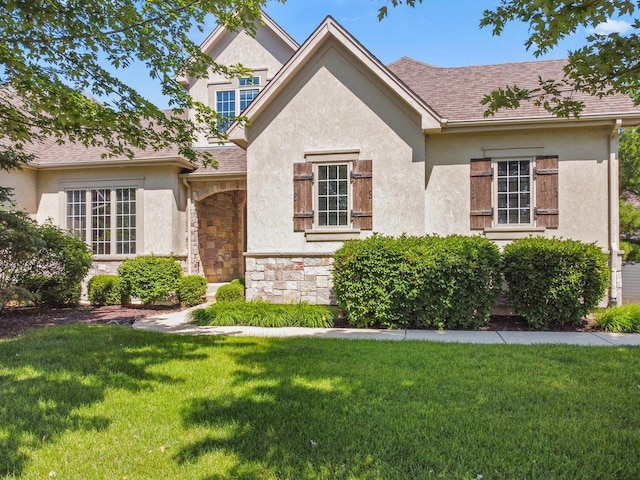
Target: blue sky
444	33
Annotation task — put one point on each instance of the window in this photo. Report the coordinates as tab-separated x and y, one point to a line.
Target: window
110	227
230	102
333	196
516	192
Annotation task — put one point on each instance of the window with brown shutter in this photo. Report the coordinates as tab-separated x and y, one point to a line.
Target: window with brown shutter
546	173
481	180
362	213
513	184
302	196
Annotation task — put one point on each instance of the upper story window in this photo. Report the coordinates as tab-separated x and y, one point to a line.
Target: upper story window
105	218
232	98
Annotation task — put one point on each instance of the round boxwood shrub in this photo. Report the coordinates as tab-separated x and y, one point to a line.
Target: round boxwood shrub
443	282
554	281
230	292
191	290
106	290
150	278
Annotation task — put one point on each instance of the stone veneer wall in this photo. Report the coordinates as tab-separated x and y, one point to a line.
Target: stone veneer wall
285	279
220	235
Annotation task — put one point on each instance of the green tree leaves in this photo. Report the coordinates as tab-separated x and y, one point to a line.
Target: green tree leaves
606	65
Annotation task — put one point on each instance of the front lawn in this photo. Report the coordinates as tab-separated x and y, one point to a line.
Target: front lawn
108	402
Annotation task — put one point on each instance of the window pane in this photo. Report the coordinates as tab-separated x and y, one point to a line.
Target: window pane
226	106
247	96
77	213
101	221
514	197
125	220
333	199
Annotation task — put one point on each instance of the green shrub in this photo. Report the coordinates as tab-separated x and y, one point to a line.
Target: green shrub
58	268
191	290
631	251
150	278
553	281
444	282
620	319
263	314
230	292
106	290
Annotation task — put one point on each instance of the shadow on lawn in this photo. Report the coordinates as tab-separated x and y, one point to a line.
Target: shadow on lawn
47	375
502	412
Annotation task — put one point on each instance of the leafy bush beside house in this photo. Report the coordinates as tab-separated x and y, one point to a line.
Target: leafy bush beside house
231	292
553	281
106	290
191	290
443	282
150	278
40	263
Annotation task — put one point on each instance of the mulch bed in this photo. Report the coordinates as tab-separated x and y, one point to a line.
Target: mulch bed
16	321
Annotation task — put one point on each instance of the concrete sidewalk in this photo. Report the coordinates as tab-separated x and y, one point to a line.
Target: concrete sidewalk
178	322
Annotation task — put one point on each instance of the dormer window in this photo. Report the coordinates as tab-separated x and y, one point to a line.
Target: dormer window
232	98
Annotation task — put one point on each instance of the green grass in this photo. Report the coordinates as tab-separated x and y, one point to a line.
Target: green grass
264	314
619	319
108	402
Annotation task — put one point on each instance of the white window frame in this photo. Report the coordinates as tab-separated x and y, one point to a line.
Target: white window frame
316	195
496	193
237	85
112	188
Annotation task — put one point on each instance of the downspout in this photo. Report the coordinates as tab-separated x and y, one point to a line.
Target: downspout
189	251
614	218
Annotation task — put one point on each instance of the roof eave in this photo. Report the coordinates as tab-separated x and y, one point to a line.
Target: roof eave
628	119
135	162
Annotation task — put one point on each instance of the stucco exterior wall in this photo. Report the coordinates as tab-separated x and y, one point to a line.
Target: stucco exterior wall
25	188
331	106
161	201
264	52
583	177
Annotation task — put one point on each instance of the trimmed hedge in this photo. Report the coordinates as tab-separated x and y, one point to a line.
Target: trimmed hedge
106	290
231	292
191	290
431	281
150	278
554	281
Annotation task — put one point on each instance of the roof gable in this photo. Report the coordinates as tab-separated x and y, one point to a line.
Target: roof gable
269	34
330	30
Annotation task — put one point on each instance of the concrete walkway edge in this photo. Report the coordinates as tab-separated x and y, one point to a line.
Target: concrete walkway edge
178	323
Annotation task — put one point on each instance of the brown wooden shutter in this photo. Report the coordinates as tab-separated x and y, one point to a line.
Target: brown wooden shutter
362	178
546	172
302	196
481	180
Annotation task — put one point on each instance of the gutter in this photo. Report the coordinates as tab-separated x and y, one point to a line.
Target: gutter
186	183
615	294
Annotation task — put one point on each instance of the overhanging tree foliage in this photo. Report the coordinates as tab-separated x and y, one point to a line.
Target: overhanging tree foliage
607	64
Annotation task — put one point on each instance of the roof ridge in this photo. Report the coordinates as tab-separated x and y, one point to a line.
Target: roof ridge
483	65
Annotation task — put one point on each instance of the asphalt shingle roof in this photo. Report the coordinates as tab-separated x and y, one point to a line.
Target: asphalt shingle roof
455	93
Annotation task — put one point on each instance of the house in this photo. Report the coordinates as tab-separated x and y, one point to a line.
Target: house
340	146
